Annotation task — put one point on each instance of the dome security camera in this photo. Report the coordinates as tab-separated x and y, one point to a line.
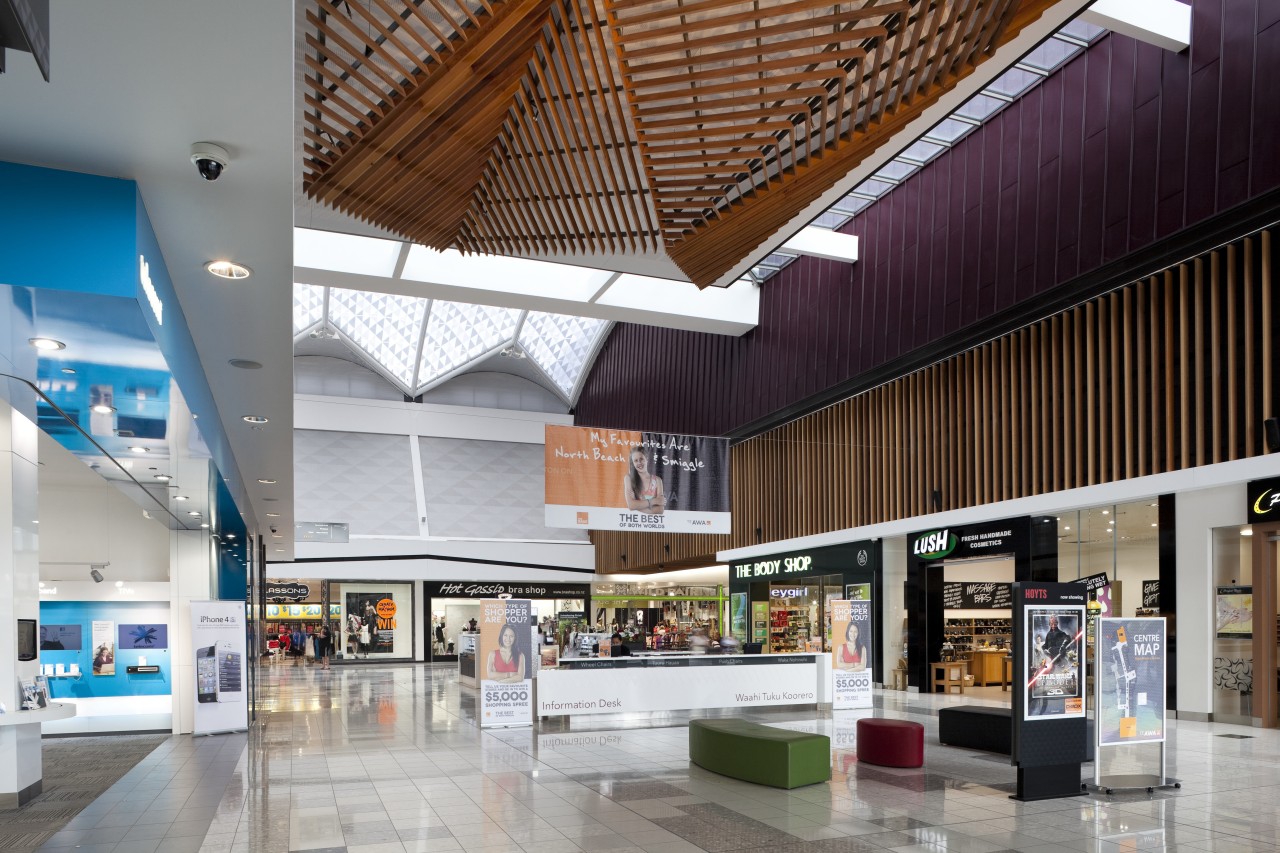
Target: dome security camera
209	159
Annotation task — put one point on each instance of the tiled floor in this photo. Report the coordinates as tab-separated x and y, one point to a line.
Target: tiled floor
388	759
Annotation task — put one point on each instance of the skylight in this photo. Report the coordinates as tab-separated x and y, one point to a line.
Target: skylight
417	343
1047	57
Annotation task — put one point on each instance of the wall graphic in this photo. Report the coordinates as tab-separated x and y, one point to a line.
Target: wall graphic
104	647
61	637
152	636
1235	612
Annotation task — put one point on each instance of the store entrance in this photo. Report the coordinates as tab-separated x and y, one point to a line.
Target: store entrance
978	628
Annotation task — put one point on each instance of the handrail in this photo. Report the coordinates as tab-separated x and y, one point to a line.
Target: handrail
94	442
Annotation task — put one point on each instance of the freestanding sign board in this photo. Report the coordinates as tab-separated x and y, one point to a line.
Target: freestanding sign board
218	638
506	662
1131	681
851	670
1050	736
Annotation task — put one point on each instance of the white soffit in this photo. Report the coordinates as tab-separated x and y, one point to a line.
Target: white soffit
1163	23
356	263
824	243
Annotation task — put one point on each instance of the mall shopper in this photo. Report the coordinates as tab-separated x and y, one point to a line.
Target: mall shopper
322	639
297	643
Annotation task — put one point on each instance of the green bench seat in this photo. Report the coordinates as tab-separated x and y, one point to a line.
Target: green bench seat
760	754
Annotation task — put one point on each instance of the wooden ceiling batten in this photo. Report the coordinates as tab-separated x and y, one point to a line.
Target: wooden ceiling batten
618	127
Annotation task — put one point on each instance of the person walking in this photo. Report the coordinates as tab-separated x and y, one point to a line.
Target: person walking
324	642
297	643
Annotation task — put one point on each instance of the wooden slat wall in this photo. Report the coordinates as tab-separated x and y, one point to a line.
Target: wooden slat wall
1169	372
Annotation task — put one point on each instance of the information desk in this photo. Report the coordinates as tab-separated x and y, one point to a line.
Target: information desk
682	683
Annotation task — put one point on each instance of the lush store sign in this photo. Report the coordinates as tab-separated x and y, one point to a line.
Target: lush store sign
935	545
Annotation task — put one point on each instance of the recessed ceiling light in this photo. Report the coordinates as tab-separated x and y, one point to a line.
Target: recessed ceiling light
245	364
164	478
137	449
205	526
1106	512
273	515
1246	531
228	269
48	344
102	408
70	371
193	513
266	482
279	550
180	498
230	535
1066	528
254	419
277	535
1153	524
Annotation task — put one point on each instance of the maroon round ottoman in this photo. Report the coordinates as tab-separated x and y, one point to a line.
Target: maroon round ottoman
890	743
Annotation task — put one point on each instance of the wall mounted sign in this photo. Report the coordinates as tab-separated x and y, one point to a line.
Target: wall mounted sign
322	531
934	545
835	559
964	595
1151	594
1235	612
1264	500
486	589
287	591
1093	582
970	541
152	636
788	592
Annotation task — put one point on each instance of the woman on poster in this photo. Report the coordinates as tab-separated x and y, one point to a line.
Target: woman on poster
507	663
642	489
851	655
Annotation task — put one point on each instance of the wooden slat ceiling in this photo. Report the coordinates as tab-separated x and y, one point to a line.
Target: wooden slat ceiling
694	128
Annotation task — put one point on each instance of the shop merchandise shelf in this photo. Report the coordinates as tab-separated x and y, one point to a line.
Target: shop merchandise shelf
967	635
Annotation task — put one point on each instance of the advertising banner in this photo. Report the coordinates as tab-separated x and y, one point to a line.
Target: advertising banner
738	615
506	662
850	656
1235	612
153	636
218	637
1131	680
598	479
61	638
104	648
376	613
1053	652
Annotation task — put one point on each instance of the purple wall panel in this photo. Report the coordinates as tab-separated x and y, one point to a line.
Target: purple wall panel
1125	145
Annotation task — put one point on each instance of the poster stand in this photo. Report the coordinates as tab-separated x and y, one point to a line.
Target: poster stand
1050	737
1122	670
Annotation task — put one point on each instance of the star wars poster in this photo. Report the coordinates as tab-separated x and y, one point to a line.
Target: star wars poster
1054	655
1130	670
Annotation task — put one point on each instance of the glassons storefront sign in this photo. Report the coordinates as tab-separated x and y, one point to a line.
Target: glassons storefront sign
935	545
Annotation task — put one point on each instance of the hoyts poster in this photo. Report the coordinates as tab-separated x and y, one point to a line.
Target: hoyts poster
850	654
506	662
601	479
1054	655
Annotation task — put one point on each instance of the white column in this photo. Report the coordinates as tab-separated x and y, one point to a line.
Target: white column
1197	514
191	579
20	766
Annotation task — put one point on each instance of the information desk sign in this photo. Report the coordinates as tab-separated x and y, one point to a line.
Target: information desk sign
851	671
1050	739
505	662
